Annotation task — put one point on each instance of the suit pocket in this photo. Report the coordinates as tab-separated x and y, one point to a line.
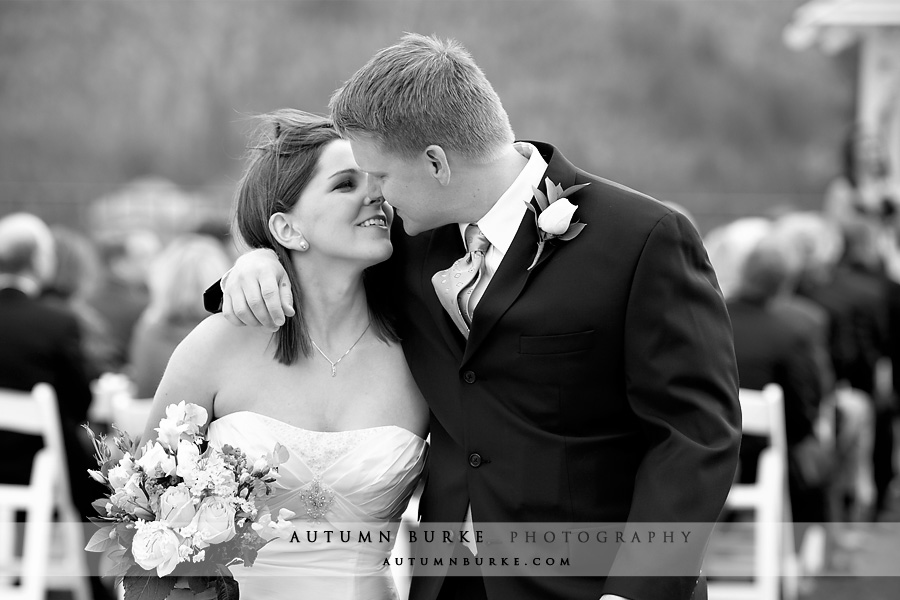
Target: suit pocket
556	344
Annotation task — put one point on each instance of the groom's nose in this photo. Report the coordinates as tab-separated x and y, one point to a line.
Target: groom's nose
373	187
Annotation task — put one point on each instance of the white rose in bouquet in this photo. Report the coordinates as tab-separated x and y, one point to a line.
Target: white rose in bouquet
155	546
214	522
187	456
156	462
176	507
120	474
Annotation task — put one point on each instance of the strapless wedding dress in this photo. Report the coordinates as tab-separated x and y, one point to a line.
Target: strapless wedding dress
344	482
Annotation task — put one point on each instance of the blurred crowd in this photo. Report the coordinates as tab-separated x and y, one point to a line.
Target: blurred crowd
73	309
814	299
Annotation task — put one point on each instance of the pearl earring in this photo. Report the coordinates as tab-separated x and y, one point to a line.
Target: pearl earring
304	245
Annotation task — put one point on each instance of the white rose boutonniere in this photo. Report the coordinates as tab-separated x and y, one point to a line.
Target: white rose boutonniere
553	215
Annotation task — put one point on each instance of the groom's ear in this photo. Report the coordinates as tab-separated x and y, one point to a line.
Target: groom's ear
437	163
286	232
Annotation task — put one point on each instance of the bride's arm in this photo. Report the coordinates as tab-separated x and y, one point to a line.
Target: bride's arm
192	374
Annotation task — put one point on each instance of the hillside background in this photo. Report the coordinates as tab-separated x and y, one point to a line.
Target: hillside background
694	101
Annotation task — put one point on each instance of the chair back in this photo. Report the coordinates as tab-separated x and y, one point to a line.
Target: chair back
762	413
39	566
769	553
33	413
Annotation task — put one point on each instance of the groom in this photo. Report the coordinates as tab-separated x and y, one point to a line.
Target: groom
590	379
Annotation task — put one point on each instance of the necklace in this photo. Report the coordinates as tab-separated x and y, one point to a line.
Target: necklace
335	363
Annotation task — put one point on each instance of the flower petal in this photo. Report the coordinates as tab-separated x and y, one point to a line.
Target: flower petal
541	198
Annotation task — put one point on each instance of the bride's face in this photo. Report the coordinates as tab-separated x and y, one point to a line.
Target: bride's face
335	216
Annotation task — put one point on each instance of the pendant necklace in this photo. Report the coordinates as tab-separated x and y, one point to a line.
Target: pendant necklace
335	363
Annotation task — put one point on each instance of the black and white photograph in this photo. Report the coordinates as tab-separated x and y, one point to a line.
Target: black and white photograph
449	299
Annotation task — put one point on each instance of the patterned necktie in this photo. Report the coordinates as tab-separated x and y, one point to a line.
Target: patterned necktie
454	286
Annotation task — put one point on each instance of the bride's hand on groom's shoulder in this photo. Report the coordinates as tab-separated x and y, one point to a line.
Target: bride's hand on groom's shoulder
257	292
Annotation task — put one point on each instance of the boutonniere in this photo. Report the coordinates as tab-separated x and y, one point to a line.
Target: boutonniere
553	215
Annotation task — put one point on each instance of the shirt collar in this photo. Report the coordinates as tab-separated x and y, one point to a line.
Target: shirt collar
501	223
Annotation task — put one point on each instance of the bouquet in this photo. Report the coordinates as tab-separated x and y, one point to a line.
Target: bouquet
182	510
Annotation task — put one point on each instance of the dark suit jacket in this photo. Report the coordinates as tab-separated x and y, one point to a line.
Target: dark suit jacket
857	305
770	349
598	387
42	343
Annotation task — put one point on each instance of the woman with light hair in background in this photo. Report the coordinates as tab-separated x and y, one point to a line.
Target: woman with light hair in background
177	279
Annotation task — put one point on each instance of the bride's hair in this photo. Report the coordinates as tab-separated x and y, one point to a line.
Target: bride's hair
283	154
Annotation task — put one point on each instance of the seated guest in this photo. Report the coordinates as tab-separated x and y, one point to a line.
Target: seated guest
77	277
770	349
178	277
42	343
122	294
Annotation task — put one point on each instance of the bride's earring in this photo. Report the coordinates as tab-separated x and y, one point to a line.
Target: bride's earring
287	233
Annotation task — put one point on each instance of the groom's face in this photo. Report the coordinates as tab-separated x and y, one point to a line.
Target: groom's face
405	183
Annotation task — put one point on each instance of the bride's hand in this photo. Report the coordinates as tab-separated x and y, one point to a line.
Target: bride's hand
257	292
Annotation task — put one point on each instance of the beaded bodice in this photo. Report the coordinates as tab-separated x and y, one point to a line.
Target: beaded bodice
342	480
319	449
360	474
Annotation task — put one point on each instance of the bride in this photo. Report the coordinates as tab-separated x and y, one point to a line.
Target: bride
332	385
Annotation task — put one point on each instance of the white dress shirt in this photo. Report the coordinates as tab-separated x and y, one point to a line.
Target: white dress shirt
500	225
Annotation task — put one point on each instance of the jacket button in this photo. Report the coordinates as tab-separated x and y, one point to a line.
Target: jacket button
469	376
474	460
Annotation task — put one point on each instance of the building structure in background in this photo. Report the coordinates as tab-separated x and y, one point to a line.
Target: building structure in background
874	27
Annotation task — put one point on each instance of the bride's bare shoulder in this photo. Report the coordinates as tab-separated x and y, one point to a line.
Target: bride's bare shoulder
216	337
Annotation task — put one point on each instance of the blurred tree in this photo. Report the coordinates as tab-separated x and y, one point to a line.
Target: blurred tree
697	101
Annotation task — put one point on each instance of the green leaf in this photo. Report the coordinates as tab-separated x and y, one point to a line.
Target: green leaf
146	585
100	506
200	583
552	192
541	198
120	569
573	230
573	188
100	541
530	206
126	534
226	587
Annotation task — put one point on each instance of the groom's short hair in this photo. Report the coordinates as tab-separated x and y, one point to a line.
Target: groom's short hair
423	91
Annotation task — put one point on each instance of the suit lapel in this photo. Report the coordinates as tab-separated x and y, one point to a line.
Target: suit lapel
512	275
444	248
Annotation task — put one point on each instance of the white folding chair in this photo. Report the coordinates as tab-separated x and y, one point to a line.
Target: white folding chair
774	569
52	556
